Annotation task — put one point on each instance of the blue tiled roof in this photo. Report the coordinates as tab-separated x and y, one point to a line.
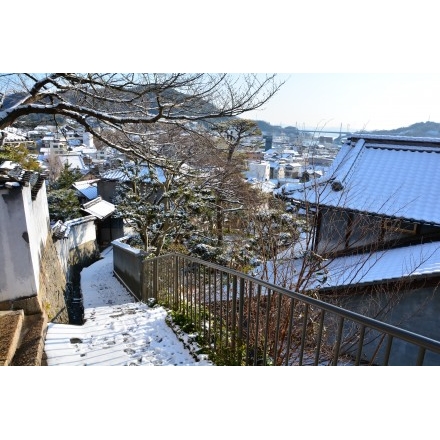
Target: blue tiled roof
380	175
90	192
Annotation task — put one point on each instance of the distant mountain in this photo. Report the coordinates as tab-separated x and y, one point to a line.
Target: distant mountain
420	129
266	127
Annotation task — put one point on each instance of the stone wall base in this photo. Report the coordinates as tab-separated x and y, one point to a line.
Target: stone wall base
31	305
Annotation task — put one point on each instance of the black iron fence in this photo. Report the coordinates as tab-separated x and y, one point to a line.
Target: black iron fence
241	320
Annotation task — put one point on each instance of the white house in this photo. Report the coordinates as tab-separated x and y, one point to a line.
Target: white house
259	171
74	160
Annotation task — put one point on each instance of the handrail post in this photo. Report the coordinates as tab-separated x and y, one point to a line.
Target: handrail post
240	310
143	279
234	312
155	279
240	318
176	283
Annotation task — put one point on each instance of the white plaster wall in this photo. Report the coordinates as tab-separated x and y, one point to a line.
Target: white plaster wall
81	231
62	247
260	171
37	215
18	278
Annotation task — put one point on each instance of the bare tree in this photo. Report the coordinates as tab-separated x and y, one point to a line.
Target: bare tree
129	103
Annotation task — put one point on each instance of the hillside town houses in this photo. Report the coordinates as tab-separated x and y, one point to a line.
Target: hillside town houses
273	159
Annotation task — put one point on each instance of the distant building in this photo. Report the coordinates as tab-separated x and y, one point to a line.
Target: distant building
88	140
259	171
292	170
267	142
277	170
325	140
75	161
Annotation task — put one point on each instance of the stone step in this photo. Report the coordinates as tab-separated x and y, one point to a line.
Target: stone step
11	324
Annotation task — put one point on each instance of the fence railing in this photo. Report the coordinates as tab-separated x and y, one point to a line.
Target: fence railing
241	320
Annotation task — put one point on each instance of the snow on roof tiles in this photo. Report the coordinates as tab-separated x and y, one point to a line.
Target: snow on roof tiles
90	192
415	261
388	265
98	207
399	179
62	229
87	189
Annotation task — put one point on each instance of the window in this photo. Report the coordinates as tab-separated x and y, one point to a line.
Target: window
399	226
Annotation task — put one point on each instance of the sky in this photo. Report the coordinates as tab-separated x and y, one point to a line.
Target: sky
353	101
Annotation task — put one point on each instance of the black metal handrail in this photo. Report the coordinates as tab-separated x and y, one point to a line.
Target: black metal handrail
241	320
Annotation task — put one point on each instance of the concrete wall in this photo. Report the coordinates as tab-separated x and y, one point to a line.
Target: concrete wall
24	227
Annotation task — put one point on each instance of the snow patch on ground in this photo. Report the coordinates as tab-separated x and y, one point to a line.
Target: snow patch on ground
117	330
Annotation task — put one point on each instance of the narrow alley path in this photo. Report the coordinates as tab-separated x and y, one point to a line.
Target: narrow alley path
117	331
